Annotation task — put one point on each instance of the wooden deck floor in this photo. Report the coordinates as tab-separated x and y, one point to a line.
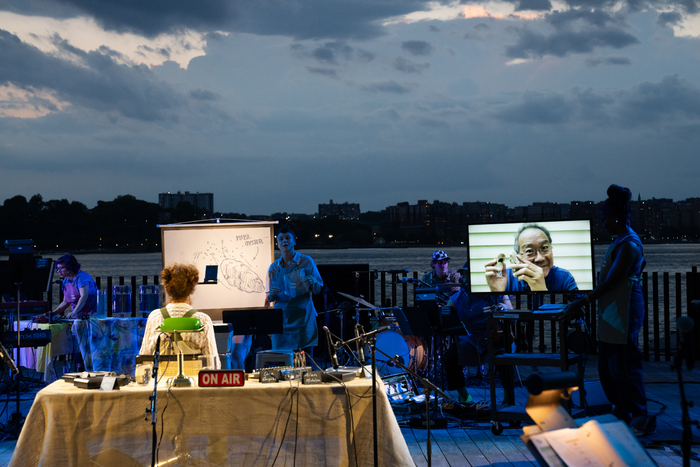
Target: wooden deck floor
471	443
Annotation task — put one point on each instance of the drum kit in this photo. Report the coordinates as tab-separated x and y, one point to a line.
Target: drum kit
411	350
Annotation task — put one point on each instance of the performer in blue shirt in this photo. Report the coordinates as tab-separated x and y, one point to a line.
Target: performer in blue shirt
470	349
293	278
79	290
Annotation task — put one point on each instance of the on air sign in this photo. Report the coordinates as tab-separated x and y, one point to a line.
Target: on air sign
221	378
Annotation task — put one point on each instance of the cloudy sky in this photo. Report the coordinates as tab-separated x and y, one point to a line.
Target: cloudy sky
278	105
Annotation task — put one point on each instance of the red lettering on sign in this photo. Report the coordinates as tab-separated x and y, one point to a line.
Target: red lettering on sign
220	378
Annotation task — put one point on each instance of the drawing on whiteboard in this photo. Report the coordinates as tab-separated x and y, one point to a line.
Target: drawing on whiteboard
239	275
235	270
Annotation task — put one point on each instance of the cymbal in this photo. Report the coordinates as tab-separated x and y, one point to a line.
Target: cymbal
358	300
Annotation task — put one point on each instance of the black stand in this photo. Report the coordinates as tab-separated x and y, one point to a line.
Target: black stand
17	417
429	387
154	403
686	422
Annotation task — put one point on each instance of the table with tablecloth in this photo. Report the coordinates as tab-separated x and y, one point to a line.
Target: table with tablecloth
284	423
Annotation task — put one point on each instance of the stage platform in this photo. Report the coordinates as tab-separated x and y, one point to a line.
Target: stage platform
471	443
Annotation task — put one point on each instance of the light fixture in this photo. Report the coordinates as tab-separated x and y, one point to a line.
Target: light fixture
175	327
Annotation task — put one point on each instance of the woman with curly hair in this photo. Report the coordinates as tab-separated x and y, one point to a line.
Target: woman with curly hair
179	281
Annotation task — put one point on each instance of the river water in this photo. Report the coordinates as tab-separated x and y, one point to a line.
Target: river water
670	258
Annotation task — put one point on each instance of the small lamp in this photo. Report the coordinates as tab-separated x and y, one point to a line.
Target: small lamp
547	392
174	327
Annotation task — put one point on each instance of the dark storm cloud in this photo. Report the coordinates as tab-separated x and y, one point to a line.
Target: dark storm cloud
594	62
308	19
536	5
407	66
669	19
388	86
562	43
672	101
101	84
420	48
560	19
333	53
325	55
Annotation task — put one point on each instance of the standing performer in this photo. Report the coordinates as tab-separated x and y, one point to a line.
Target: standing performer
292	279
79	290
620	315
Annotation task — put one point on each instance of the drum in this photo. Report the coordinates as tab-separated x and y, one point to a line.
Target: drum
410	349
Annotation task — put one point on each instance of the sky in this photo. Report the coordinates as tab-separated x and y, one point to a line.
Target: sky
279	105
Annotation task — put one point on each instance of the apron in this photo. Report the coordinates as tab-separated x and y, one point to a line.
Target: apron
299	327
614	306
72	296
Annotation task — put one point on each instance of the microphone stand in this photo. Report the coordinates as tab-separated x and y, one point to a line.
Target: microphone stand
154	401
686	422
429	387
371	339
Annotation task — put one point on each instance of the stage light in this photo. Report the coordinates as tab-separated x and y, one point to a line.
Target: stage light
548	394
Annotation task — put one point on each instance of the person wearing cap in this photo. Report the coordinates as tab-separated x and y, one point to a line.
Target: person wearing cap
441	272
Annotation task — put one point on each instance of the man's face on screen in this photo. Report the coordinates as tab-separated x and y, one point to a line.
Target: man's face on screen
536	248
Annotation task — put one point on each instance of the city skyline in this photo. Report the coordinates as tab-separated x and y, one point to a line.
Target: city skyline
274	106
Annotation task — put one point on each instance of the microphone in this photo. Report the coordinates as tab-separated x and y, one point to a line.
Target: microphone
685	326
410	280
393	361
156	357
331	350
359	344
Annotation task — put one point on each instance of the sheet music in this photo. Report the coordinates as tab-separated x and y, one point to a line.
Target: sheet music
592	445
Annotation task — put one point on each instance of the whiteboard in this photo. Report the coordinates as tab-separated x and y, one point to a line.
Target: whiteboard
242	251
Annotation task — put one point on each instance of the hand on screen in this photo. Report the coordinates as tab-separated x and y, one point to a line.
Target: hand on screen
496	275
530	273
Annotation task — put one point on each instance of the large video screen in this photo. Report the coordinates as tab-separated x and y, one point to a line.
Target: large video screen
556	255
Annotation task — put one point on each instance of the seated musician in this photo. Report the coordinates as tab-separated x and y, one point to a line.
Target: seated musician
79	290
441	272
470	349
179	281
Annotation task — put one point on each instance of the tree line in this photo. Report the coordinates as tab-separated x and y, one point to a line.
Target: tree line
130	224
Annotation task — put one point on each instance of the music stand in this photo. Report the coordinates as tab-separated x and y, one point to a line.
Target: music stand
211	273
413	321
254	321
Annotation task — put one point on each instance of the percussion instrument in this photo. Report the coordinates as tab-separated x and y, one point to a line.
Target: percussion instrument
410	349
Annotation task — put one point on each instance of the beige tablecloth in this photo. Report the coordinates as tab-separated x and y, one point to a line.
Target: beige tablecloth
311	425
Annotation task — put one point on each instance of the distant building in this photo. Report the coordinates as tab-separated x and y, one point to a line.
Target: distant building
345	211
200	200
